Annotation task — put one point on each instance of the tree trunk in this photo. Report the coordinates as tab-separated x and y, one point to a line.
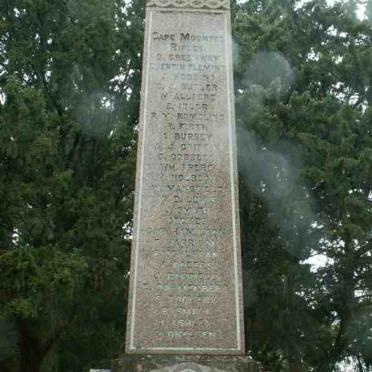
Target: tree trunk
30	362
30	351
295	366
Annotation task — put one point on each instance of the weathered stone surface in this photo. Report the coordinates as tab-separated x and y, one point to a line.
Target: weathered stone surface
185	291
156	363
212	4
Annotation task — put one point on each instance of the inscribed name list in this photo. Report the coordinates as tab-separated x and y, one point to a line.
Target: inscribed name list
185	294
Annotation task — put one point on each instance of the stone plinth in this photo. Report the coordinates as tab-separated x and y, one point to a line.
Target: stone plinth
158	363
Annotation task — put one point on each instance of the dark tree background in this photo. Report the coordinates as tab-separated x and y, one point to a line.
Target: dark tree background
69	93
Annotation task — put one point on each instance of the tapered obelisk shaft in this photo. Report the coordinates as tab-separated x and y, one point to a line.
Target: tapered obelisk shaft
185	278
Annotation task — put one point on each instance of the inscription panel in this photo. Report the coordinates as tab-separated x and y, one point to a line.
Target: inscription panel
185	292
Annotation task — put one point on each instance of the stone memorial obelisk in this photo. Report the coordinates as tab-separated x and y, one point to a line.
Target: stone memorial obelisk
185	303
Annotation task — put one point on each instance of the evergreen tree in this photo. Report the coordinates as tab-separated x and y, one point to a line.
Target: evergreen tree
303	85
69	83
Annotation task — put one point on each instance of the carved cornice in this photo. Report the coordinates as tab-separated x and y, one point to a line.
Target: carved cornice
211	4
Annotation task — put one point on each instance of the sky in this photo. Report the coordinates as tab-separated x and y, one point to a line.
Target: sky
361	10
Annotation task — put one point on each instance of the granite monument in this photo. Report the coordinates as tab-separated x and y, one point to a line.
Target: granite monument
185	302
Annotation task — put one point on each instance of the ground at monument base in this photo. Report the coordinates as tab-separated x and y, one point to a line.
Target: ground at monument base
174	363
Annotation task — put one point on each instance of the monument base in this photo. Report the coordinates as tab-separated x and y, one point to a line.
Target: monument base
184	363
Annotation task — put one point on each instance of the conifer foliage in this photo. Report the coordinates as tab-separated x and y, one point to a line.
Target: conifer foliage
303	81
69	85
